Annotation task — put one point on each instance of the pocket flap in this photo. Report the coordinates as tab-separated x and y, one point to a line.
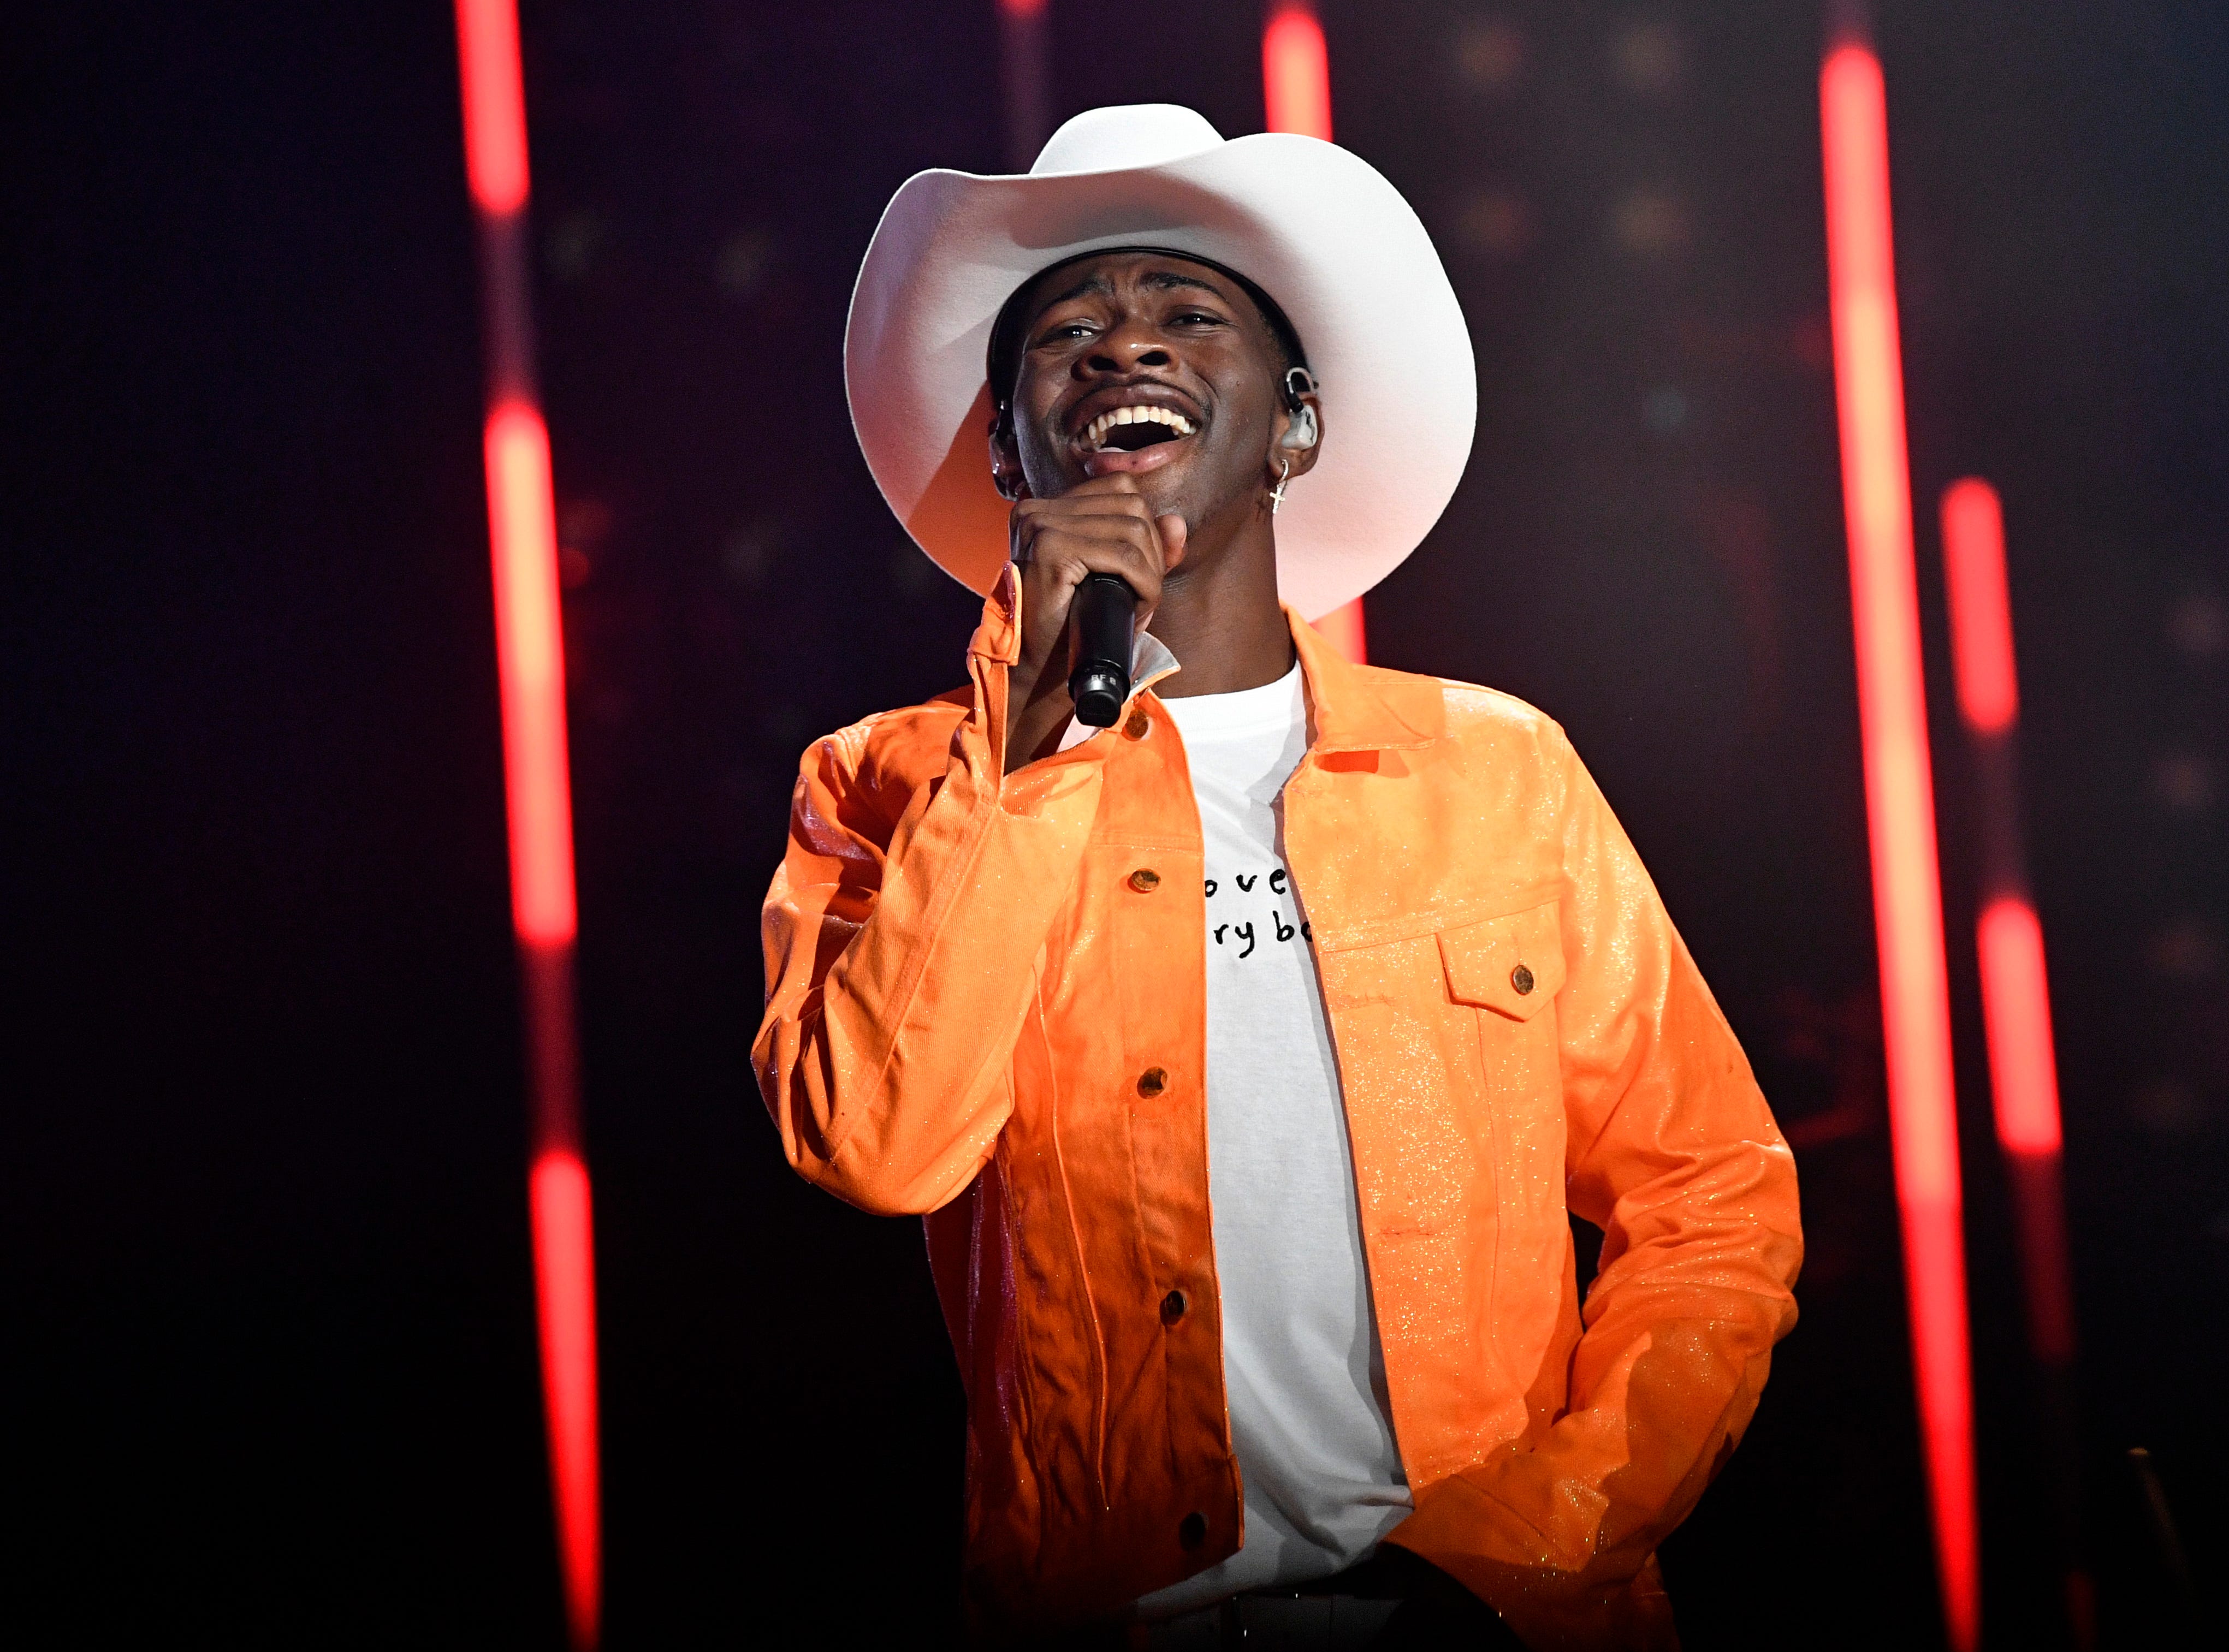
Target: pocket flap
1513	964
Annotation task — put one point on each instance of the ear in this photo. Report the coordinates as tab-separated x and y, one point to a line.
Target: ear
1299	436
1006	458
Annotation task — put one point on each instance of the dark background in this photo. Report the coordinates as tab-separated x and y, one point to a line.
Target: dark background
268	1324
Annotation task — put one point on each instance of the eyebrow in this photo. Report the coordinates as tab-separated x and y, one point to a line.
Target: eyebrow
1158	280
1166	280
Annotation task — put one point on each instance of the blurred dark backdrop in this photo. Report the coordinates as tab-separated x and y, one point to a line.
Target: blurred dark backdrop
268	1332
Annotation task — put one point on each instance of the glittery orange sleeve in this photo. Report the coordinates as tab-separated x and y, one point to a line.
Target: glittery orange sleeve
900	934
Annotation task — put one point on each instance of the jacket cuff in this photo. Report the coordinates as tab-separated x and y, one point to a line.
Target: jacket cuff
1552	1599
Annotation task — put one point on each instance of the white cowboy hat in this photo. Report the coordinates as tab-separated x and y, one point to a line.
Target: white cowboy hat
1318	229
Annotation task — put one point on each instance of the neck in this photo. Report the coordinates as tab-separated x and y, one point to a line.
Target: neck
1218	615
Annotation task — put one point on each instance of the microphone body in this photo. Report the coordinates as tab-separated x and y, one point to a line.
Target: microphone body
1104	614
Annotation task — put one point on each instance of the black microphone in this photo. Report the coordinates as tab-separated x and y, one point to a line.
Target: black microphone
1104	613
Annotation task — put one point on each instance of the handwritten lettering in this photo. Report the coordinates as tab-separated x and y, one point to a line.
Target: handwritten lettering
1248	936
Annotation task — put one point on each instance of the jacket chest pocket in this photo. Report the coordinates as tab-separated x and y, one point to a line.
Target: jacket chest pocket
1511	965
1448	1053
1509	970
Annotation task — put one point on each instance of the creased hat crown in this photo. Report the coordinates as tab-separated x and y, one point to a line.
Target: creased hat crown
1126	135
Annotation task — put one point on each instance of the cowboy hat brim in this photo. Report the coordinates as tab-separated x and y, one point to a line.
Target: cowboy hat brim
1317	228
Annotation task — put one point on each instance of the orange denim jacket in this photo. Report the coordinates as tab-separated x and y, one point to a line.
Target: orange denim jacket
980	1010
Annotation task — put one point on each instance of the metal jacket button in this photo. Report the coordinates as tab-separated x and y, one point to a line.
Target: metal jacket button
1145	879
1153	1081
1136	727
1172	1307
1521	978
1191	1530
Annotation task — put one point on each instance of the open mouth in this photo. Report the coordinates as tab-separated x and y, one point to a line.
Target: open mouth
1127	429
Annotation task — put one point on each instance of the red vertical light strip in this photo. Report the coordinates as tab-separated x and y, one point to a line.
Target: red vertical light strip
2016	1001
1296	90
2016	989
1980	606
1025	79
530	659
530	669
1900	806
2015	985
1296	71
2016	1005
565	1318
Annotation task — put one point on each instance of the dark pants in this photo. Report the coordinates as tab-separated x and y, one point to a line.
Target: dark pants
1393	1602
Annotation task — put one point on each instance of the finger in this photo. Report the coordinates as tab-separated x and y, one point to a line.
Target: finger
1047	538
1068	563
1027	527
1173	535
1038	510
1104	508
1039	539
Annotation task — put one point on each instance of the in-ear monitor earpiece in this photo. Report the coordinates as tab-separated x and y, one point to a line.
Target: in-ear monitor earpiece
1303	431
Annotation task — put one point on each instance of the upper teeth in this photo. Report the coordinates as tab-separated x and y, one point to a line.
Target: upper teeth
1095	432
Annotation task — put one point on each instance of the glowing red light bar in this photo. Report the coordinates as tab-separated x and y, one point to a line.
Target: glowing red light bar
530	668
1296	73
1900	805
1980	606
1022	8
2016	1006
1296	89
531	660
1891	694
495	103
1935	1274
2015	988
565	1299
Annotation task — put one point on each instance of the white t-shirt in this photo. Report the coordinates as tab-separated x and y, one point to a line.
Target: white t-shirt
1300	1360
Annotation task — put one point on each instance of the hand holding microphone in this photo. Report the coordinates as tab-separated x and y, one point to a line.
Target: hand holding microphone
1072	623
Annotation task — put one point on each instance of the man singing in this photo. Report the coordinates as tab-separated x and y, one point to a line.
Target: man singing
1246	1057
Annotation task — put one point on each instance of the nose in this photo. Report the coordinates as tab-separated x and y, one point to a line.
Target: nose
1126	347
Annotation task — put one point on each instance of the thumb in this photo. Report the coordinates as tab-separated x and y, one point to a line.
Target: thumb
1173	533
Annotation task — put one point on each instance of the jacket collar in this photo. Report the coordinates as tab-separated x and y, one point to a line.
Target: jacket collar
1357	709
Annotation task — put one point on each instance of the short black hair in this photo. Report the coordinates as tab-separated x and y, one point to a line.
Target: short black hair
1003	360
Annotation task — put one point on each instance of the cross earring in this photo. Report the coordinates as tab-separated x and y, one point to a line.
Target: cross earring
1277	493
